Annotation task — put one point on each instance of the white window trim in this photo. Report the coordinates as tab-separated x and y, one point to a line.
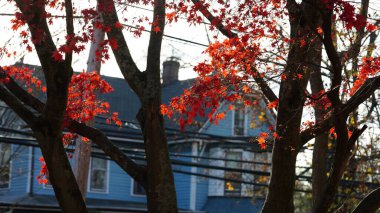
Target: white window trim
132	186
30	180
10	170
107	181
245	131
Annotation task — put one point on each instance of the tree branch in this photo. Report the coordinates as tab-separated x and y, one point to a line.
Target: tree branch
155	40
136	171
213	20
370	203
133	169
70	31
18	107
363	93
128	67
57	74
267	91
341	158
41	35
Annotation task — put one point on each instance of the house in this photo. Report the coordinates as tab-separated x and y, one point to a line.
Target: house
216	168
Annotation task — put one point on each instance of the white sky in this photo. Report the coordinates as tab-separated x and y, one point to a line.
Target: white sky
189	54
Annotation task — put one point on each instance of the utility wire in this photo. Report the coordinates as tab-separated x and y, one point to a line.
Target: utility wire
130	26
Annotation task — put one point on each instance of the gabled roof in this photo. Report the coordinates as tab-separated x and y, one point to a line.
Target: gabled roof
124	101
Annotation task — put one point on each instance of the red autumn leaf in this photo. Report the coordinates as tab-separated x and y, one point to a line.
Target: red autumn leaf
57	56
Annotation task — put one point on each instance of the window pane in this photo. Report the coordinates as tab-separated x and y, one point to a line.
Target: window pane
232	188
98	178
5	155
239	119
138	189
98	163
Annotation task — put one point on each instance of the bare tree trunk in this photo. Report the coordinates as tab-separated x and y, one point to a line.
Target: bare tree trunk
60	174
319	163
291	102
160	188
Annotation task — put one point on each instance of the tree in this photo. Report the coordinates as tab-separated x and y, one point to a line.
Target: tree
47	120
258	49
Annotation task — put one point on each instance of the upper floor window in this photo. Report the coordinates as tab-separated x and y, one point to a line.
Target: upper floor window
233	161
5	165
239	119
98	175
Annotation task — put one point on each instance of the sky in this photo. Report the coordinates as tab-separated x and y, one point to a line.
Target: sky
190	54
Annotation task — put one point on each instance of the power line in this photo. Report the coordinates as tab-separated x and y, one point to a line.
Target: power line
130	26
253	172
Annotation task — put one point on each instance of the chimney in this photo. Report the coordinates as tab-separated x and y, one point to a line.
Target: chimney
170	71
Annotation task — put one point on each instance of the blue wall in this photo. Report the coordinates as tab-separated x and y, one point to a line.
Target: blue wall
19	171
225	126
119	187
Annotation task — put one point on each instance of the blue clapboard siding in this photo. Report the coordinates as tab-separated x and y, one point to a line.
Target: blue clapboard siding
226	125
182	181
119	186
202	185
120	183
19	171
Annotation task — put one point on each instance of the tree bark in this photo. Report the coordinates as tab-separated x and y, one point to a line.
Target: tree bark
60	174
47	126
319	162
370	203
159	187
303	19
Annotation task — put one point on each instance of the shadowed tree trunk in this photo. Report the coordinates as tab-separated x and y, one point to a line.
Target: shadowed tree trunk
159	186
319	163
370	203
303	19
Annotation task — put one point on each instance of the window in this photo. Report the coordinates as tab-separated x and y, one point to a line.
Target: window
233	188
5	165
98	175
239	119
137	189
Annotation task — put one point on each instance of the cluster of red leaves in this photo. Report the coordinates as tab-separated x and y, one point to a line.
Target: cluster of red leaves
216	82
83	104
228	76
42	177
25	75
235	62
319	100
346	12
261	13
333	134
369	67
